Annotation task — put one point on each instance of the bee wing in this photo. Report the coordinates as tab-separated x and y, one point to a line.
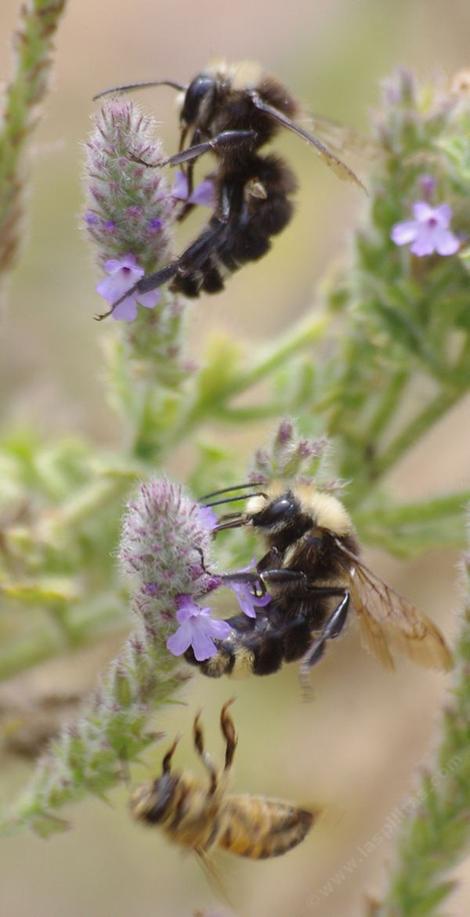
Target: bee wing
341	138
212	875
385	617
329	158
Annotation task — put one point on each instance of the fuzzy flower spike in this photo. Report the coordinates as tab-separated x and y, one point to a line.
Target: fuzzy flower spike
131	208
165	546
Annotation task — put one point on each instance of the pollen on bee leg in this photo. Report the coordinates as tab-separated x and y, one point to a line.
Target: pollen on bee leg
255	188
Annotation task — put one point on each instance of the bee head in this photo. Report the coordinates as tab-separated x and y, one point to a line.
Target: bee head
275	514
198	101
151	801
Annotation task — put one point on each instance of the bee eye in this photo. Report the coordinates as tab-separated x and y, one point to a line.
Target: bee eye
276	512
202	87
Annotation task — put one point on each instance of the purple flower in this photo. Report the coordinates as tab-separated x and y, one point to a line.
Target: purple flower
245	596
123	273
429	231
428	186
207	518
203	195
196	629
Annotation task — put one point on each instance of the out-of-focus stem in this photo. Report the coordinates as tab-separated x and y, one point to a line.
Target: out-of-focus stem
306	333
416	429
33	46
409	513
437	834
388	404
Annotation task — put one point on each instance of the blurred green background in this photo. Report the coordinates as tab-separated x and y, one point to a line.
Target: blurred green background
355	747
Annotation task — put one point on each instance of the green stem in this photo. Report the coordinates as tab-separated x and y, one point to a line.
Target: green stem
415	430
39	20
90	500
419	513
437	834
307	332
85	624
387	406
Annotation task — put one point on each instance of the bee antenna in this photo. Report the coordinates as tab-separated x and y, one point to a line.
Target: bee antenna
258	493
145	85
226	490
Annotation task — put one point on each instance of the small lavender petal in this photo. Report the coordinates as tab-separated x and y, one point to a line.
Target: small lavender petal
422	211
207	518
203	646
424	243
247	600
111	288
180	187
404	233
204	194
123	273
446	242
220	630
197	629
148	300
187	608
180	641
126	311
443	215
429	232
428	185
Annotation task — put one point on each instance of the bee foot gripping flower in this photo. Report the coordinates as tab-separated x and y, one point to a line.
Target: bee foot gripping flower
246	598
123	273
203	195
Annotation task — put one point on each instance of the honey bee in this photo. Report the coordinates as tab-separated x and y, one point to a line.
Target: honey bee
314	574
203	817
232	112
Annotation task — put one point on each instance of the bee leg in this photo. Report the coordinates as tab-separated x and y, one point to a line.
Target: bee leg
250	579
260	580
223	142
283	577
203	563
190	260
228	731
189	173
199	746
331	628
166	763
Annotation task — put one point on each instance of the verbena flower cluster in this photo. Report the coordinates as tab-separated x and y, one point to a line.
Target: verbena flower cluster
130	210
166	547
130	217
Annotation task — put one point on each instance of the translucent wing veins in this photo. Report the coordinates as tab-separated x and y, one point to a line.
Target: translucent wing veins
385	617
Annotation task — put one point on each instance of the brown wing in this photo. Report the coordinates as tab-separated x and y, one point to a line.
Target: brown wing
387	619
329	158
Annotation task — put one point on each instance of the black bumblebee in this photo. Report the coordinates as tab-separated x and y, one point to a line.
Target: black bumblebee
313	572
225	113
